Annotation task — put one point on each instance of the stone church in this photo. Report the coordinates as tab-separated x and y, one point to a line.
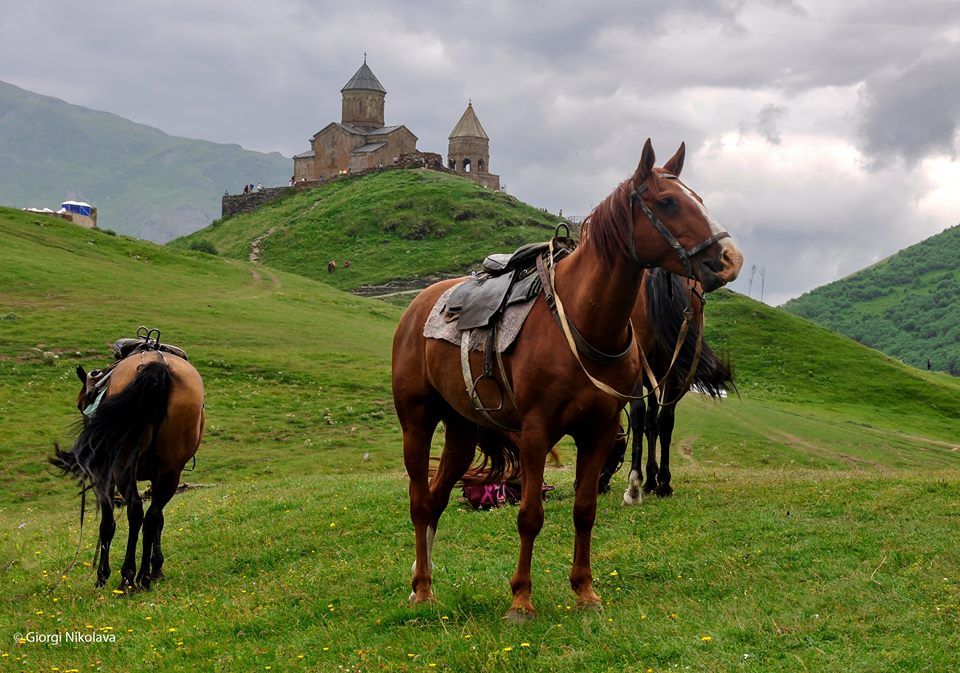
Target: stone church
361	140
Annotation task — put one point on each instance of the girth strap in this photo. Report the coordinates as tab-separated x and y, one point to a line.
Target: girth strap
471	384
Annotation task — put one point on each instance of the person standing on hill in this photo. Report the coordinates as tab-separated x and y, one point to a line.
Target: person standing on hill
929	365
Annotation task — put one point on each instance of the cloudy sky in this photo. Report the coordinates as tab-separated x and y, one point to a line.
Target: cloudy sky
823	134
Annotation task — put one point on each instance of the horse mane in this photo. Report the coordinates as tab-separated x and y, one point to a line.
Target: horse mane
666	302
609	227
119	422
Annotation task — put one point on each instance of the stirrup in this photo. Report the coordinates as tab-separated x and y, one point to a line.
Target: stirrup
476	398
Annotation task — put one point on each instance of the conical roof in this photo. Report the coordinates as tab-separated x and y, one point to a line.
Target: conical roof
468	126
364	79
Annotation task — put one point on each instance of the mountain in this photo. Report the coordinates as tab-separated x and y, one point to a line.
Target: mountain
394	225
907	306
143	182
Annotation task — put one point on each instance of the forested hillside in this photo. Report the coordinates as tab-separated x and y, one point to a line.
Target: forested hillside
907	306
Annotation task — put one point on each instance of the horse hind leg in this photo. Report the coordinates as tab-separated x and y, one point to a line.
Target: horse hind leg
459	448
108	526
163	487
134	521
418	426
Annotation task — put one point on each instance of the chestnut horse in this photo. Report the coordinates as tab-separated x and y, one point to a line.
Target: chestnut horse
650	219
146	426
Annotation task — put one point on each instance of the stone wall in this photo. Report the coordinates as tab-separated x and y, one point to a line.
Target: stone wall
232	204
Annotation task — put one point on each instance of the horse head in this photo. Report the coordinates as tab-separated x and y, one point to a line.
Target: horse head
673	228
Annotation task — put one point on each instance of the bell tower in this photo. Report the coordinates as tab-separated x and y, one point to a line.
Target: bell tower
363	99
468	152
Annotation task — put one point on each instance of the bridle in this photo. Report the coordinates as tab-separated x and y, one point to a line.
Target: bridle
682	253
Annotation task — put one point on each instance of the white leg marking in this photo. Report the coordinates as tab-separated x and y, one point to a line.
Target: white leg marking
633	496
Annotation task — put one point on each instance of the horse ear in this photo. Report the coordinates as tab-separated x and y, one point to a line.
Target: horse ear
81	374
675	164
646	163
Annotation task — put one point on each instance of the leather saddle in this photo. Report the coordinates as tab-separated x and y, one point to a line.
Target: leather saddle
146	340
507	279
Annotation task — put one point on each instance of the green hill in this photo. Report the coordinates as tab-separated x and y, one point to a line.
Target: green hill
906	306
143	182
813	524
398	224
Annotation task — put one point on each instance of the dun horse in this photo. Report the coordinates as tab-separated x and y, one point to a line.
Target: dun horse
650	219
146	426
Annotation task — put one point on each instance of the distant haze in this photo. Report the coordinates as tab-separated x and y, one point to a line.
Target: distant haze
823	134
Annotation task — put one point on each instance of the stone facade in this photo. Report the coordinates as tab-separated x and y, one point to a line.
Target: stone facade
360	140
469	150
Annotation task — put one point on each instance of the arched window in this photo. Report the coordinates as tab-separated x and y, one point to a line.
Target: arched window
480	165
466	165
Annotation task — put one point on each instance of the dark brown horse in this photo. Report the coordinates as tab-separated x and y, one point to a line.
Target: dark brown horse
650	219
143	423
658	318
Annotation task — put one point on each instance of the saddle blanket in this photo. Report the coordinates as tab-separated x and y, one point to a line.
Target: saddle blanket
438	327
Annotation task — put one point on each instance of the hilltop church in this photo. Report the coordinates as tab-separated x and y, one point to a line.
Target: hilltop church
361	140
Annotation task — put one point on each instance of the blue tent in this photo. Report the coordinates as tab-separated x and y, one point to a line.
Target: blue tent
78	207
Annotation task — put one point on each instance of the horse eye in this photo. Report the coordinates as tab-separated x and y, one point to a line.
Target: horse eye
668	202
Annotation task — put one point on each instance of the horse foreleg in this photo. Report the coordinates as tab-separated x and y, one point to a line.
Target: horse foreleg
533	447
650	430
134	521
108	526
592	451
667	420
163	487
416	458
633	496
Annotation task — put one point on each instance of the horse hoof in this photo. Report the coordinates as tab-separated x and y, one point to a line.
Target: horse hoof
101	582
664	491
416	599
519	615
590	604
143	583
632	497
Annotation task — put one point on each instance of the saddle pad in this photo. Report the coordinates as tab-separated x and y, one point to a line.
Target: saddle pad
438	327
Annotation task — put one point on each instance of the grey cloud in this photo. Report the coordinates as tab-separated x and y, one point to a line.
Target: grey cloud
766	123
913	111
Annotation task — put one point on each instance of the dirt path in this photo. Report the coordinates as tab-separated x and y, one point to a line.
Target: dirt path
255	244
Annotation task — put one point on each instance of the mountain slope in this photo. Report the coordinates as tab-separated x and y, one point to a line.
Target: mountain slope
144	182
907	306
397	224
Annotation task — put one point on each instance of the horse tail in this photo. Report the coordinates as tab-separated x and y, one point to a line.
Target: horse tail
120	421
666	303
714	375
501	456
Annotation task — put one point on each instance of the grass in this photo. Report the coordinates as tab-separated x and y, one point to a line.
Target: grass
814	524
398	224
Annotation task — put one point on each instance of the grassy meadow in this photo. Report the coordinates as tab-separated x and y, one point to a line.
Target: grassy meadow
814	525
399	224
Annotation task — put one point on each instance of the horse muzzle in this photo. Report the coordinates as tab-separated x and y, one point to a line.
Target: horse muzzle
717	270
